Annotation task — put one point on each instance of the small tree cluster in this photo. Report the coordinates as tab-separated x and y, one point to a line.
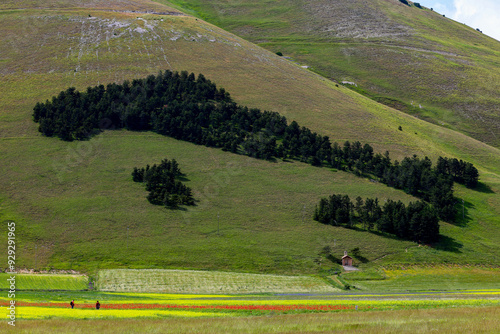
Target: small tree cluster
462	172
162	185
416	221
417	177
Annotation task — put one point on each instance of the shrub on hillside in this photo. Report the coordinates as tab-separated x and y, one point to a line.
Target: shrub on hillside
162	184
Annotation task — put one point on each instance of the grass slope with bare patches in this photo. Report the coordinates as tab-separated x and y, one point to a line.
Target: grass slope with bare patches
75	205
431	66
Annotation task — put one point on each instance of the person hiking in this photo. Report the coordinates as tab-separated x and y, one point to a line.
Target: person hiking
97	305
72	304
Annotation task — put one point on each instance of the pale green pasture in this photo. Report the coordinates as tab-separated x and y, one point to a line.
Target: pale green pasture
184	281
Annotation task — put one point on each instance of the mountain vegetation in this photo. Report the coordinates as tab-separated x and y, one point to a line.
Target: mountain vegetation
193	109
417	222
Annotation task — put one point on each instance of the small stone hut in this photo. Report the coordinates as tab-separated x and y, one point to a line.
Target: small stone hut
346	259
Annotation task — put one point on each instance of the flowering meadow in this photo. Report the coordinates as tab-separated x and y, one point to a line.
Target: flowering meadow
136	305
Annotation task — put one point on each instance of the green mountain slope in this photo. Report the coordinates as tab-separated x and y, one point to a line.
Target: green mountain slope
75	205
411	58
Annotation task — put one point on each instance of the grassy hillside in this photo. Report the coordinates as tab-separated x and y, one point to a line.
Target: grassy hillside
76	201
410	58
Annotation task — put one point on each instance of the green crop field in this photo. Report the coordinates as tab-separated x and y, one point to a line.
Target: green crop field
75	205
429	278
405	278
45	282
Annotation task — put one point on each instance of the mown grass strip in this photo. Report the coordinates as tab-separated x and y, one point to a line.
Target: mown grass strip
179	281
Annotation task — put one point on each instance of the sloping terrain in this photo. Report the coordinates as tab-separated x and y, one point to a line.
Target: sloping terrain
75	205
413	59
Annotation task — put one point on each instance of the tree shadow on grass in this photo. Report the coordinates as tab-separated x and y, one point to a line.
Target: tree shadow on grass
483	188
386	235
462	217
361	258
448	244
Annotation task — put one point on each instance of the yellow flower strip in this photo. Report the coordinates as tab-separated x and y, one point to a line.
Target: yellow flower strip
52	312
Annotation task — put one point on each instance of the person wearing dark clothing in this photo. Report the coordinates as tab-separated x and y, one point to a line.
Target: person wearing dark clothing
97	305
72	304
